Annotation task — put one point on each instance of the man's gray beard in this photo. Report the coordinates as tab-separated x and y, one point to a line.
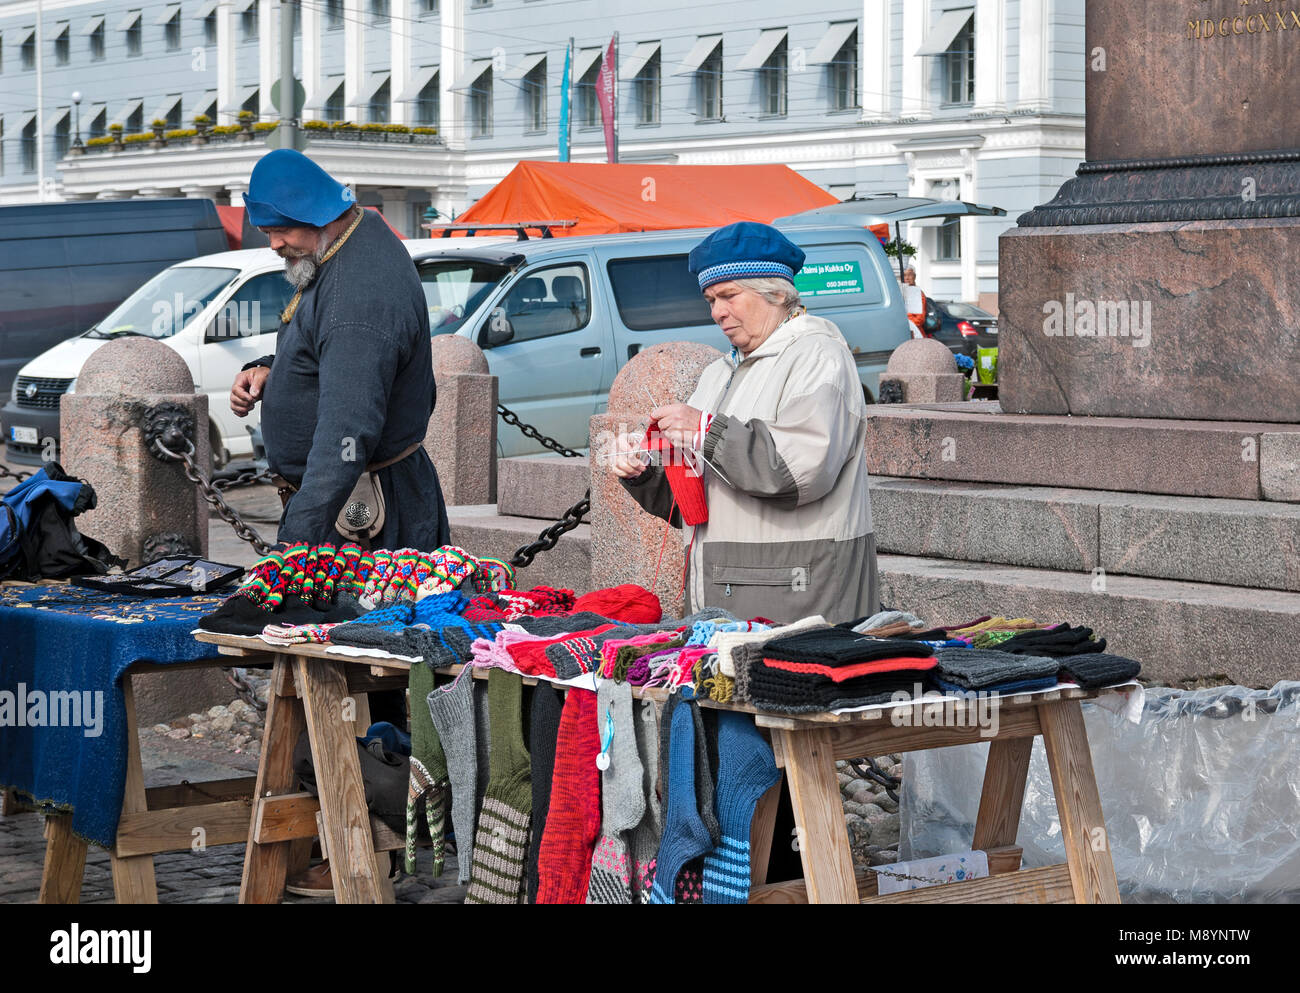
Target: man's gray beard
300	272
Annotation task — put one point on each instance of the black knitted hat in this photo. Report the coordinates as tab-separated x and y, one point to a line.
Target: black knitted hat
1098	669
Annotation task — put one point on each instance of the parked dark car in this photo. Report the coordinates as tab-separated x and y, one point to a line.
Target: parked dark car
960	326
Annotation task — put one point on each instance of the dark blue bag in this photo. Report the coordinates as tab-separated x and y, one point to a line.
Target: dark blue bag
38	539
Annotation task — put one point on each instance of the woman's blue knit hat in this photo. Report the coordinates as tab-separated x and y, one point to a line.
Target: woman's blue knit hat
289	190
742	251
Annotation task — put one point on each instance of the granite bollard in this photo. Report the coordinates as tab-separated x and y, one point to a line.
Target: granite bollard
627	544
926	372
462	435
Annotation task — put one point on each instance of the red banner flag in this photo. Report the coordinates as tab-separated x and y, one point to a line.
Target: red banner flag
607	95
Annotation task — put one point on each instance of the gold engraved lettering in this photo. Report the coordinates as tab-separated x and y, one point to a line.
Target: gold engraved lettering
1235	22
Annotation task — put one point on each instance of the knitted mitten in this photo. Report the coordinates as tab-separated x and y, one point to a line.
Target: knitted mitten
648	831
308	592
501	843
401	586
543	730
380	573
365	566
622	800
429	782
297	634
295	559
266	581
452	711
328	566
746	770
573	820
685	837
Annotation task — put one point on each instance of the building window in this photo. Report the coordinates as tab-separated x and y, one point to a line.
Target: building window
135	121
174	115
97	43
480	106
248	22
29	146
379	104
97	126
959	66
334	105
378	11
428	105
948	247
708	86
333	14
844	75
647	91
172	32
427	6
774	82
62	135
480	3
535	99
135	36
586	107
62	45
27	53
253	104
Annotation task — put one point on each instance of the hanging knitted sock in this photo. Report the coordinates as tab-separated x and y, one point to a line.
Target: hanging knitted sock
646	835
543	729
573	820
706	768
452	712
685	837
429	783
746	770
501	843
621	796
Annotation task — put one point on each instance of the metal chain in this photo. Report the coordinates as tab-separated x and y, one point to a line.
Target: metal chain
245	692
213	496
872	771
245	478
548	538
510	417
17	477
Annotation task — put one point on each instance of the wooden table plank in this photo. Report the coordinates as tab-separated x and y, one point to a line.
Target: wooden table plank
172	829
1050	884
761	830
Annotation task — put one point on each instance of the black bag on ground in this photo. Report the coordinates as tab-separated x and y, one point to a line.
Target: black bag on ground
386	776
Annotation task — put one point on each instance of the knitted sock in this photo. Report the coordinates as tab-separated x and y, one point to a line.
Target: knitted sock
543	729
621	796
648	831
501	845
685	837
706	764
746	770
483	730
429	783
573	820
451	709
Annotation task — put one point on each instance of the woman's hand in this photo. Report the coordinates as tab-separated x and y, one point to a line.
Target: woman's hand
678	422
626	464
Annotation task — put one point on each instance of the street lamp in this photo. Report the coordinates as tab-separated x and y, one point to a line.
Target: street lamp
76	118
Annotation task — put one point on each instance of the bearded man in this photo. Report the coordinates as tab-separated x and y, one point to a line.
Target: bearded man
350	388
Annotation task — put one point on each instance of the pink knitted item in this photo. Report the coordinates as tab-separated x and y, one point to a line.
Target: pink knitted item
609	650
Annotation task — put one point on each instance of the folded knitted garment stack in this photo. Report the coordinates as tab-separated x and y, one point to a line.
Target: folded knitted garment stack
832	668
1098	669
1058	642
964	670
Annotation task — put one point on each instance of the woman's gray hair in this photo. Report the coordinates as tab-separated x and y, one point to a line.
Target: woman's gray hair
775	290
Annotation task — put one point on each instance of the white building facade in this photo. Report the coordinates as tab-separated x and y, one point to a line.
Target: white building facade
980	100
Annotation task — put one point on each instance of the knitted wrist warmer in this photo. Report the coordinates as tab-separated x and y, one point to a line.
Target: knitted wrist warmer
981	668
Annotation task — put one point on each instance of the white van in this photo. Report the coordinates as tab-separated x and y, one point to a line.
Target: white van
218	312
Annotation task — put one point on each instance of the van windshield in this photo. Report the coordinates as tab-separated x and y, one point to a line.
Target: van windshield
164	305
454	289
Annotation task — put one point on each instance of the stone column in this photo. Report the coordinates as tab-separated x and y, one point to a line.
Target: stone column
916	68
268	56
393	205
626	542
310	52
452	63
227	48
354	57
128	390
875	41
462	435
990	56
401	26
1035	37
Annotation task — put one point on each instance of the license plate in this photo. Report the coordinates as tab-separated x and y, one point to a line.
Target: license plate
990	330
24	436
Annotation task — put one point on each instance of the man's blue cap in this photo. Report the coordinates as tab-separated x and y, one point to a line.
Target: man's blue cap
289	190
742	251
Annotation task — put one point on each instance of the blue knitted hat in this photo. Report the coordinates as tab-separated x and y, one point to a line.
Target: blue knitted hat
742	251
289	190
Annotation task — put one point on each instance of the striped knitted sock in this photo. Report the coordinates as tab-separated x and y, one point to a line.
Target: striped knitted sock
501	845
452	711
573	820
621	796
746	771
429	781
685	836
646	835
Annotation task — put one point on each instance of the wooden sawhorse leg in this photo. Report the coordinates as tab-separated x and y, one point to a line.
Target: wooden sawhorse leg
65	861
823	834
1083	828
133	877
1003	796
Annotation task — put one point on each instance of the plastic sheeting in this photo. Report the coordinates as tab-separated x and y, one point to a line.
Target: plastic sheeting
1201	798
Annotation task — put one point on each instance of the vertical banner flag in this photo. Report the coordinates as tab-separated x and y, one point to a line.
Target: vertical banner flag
565	90
606	89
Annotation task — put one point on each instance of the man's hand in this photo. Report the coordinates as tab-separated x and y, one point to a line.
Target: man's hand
677	422
248	389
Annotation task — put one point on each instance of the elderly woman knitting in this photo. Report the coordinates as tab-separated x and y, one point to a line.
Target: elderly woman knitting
779	426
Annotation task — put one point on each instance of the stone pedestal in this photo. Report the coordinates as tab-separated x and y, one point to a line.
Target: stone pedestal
126	390
925	372
462	435
627	544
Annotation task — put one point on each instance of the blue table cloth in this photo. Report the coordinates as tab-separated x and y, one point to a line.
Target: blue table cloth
58	640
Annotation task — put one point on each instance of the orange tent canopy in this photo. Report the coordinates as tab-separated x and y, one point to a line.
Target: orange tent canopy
605	198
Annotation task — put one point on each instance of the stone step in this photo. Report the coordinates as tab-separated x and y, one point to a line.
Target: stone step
1177	630
480	530
977	442
540	486
1226	542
